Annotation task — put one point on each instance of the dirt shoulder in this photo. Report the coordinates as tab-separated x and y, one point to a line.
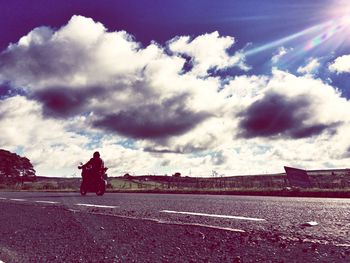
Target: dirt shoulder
39	233
300	193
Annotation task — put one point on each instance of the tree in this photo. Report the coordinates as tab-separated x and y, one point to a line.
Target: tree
14	168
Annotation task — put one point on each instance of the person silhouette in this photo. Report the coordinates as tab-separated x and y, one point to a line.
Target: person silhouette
96	165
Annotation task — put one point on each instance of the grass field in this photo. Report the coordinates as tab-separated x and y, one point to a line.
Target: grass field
324	185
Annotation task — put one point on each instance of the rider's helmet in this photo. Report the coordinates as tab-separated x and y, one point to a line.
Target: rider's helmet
96	155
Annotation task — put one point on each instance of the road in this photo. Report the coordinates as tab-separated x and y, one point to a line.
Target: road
275	220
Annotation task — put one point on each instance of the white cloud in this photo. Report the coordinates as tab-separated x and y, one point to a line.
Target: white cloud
73	71
46	142
282	51
80	53
311	67
92	89
341	64
207	52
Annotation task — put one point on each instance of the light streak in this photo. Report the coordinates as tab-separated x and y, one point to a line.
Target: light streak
323	31
336	28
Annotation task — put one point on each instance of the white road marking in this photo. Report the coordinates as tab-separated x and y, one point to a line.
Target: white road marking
311	223
18	199
201	225
74	211
213	215
99	206
47	202
342	245
2	198
159	221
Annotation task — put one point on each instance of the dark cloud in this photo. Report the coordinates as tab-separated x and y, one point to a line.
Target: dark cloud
61	102
153	121
155	150
278	115
186	149
43	61
308	131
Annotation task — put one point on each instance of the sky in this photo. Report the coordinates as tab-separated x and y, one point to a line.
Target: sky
198	87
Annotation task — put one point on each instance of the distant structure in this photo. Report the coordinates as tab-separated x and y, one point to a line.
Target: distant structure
176	175
297	177
127	176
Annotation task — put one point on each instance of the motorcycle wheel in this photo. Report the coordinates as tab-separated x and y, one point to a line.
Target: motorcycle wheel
101	189
82	189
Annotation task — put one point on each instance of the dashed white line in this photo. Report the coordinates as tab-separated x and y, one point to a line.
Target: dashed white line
201	225
2	198
99	206
213	215
159	221
74	210
18	199
47	202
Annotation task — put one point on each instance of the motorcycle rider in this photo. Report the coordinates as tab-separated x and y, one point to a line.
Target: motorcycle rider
96	164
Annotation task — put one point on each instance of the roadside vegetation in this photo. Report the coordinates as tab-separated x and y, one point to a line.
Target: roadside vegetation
268	185
18	174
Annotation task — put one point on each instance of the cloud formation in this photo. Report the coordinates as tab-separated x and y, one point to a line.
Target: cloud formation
159	108
278	115
63	102
281	52
134	91
311	67
158	120
208	51
341	64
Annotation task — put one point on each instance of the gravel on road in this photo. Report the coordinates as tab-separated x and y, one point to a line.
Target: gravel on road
48	233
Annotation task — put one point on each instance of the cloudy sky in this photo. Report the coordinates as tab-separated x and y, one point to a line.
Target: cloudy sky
158	87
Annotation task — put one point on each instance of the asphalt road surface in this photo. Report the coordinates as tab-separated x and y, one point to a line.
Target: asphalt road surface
56	227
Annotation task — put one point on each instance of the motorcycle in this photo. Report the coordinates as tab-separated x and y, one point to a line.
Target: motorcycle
92	182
